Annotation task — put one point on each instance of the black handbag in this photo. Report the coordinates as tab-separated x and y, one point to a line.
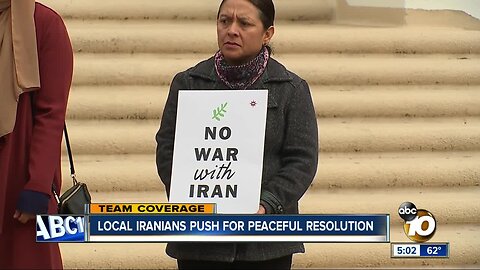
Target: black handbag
73	201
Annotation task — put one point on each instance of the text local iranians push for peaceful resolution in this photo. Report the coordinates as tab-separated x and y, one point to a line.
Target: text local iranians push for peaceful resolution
239	225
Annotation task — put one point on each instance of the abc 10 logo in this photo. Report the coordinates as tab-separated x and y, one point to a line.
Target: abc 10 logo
419	224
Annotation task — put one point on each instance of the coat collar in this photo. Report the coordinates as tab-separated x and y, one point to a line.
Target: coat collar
275	72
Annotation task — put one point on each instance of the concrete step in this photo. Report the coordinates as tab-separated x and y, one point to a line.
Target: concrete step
335	171
399	135
336	135
464	244
445	17
389	170
181	9
127	36
449	205
147	102
114	173
396	100
117	102
325	69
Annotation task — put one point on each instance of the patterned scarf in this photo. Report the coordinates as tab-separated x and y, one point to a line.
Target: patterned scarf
242	76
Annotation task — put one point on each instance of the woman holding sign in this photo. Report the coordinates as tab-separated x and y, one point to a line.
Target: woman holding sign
244	30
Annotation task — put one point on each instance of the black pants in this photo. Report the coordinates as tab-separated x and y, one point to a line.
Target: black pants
282	263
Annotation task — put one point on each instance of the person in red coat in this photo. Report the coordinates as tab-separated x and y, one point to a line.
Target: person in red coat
36	65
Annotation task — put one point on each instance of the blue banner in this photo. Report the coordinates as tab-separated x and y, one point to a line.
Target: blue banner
310	228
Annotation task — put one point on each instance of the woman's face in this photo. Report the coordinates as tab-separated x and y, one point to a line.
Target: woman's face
240	31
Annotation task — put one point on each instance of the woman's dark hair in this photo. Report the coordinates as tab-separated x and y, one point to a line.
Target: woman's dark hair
266	10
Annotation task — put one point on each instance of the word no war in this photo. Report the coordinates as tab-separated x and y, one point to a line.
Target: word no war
228	154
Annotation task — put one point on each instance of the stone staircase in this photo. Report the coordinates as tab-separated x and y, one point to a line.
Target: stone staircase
398	113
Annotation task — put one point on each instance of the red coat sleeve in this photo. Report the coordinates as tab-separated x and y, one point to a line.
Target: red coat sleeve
56	68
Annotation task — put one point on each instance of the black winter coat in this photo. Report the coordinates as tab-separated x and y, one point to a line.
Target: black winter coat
290	154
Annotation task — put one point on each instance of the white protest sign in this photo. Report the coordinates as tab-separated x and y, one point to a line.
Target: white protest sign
218	150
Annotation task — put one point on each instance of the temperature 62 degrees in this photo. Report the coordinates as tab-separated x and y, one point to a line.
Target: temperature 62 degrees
434	250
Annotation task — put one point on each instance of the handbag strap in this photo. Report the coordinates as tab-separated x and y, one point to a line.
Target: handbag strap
70	159
70	156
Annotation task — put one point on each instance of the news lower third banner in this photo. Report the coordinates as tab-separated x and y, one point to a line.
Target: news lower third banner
213	228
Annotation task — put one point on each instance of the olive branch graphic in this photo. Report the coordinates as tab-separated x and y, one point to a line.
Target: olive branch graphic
219	111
